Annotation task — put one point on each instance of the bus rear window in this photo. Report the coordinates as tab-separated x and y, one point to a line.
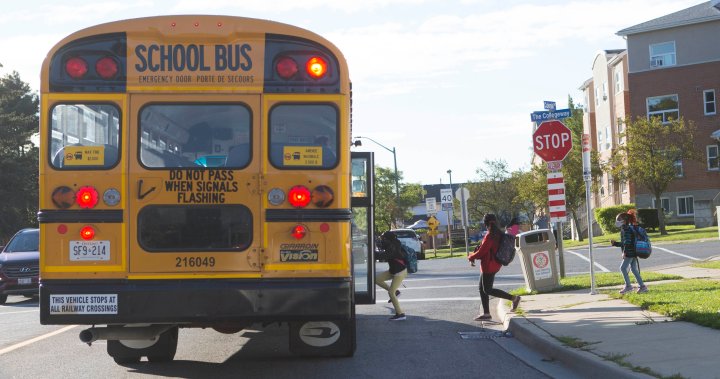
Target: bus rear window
195	135
195	228
84	136
304	136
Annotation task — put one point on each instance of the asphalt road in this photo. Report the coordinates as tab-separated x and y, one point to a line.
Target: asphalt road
438	340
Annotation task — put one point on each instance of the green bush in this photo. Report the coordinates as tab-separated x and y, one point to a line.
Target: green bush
648	218
606	216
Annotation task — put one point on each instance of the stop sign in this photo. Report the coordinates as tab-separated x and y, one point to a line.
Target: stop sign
552	141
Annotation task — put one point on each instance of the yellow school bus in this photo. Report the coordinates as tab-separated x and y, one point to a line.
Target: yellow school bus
195	171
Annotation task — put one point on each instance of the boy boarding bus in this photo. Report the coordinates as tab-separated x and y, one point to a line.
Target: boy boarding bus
195	172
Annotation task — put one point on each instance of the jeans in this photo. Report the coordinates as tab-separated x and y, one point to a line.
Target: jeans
633	263
486	290
397	279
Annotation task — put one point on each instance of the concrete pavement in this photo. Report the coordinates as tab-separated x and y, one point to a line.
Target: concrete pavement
613	338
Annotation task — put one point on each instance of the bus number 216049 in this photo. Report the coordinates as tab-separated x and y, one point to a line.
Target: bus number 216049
194	261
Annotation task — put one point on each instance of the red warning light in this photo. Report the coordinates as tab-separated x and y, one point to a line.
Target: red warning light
76	67
106	67
286	67
87	233
87	197
299	231
299	196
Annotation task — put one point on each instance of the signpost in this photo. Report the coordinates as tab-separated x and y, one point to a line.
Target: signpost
433	224
446	199
464	194
552	141
587	176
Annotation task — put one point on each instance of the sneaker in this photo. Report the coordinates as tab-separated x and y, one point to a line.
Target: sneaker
642	289
398	317
515	303
483	317
626	289
397	294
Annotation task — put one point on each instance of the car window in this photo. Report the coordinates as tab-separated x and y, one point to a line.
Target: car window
26	241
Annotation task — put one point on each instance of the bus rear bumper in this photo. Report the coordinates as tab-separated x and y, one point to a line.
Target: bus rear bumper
197	302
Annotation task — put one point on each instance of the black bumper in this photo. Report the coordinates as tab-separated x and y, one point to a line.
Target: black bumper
205	302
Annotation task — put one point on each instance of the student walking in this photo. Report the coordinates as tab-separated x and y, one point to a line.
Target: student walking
485	252
397	271
625	221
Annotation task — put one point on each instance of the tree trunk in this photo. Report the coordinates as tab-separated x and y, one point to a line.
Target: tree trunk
661	215
577	227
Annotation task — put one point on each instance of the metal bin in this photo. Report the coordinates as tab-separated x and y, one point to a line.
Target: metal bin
537	251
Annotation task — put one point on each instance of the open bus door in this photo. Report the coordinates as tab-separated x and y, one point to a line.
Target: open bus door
363	230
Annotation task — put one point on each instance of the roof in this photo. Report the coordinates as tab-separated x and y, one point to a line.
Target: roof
694	15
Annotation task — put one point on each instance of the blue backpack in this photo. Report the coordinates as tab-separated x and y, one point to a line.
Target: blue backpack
643	247
411	263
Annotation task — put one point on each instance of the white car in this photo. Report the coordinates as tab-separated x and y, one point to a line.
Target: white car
409	238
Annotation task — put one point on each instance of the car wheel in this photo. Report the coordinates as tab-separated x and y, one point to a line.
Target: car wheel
3	299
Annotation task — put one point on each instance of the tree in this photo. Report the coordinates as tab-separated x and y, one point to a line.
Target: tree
494	192
18	155
650	153
390	210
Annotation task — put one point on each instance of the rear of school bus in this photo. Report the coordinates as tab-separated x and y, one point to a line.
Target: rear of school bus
194	173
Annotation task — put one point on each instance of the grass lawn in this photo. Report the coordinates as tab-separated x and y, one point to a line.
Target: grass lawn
709	264
675	233
602	279
691	300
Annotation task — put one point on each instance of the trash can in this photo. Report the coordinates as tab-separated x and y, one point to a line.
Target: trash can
539	263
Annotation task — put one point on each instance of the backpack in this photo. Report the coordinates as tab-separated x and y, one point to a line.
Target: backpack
410	259
643	248
506	251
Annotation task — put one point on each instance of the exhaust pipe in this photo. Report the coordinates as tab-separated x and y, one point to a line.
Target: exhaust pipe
93	334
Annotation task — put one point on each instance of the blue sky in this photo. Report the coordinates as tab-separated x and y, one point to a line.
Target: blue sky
448	84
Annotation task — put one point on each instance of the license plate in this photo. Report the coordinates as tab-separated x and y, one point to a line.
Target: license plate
24	280
89	250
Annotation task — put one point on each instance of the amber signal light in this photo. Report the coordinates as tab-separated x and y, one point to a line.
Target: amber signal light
316	67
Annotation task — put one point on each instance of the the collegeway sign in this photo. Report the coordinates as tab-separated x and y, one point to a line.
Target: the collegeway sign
552	141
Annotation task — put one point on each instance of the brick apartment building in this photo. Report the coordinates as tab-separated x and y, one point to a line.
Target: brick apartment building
671	68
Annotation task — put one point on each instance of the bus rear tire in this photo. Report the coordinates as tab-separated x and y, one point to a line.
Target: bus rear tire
162	350
335	338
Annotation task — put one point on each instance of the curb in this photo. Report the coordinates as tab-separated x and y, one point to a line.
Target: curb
577	360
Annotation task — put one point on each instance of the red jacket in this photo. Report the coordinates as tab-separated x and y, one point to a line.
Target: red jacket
485	252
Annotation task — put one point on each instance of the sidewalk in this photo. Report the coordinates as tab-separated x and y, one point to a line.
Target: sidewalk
612	331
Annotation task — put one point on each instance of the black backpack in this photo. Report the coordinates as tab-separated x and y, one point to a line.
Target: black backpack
506	250
411	263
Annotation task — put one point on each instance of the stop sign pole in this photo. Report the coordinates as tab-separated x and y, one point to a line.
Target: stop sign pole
552	141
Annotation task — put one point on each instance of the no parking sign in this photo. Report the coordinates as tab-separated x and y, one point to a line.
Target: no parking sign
541	265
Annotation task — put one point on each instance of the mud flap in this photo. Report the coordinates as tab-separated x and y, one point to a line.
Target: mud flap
323	338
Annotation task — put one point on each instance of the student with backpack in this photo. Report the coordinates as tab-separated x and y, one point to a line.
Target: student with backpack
489	266
397	271
628	235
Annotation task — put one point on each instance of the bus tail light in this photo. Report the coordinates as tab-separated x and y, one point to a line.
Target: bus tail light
76	67
299	196
87	197
87	233
63	197
316	67
322	196
299	232
286	67
106	68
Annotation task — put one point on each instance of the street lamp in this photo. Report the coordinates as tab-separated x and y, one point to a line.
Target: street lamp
397	187
451	216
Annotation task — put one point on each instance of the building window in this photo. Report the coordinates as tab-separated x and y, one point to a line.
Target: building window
712	157
678	168
618	79
604	87
709	98
608	137
662	54
664	202
597	96
611	185
623	187
621	131
665	107
685	206
600	139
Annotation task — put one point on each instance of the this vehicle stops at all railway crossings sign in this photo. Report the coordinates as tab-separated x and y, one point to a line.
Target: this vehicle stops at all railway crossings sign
552	141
